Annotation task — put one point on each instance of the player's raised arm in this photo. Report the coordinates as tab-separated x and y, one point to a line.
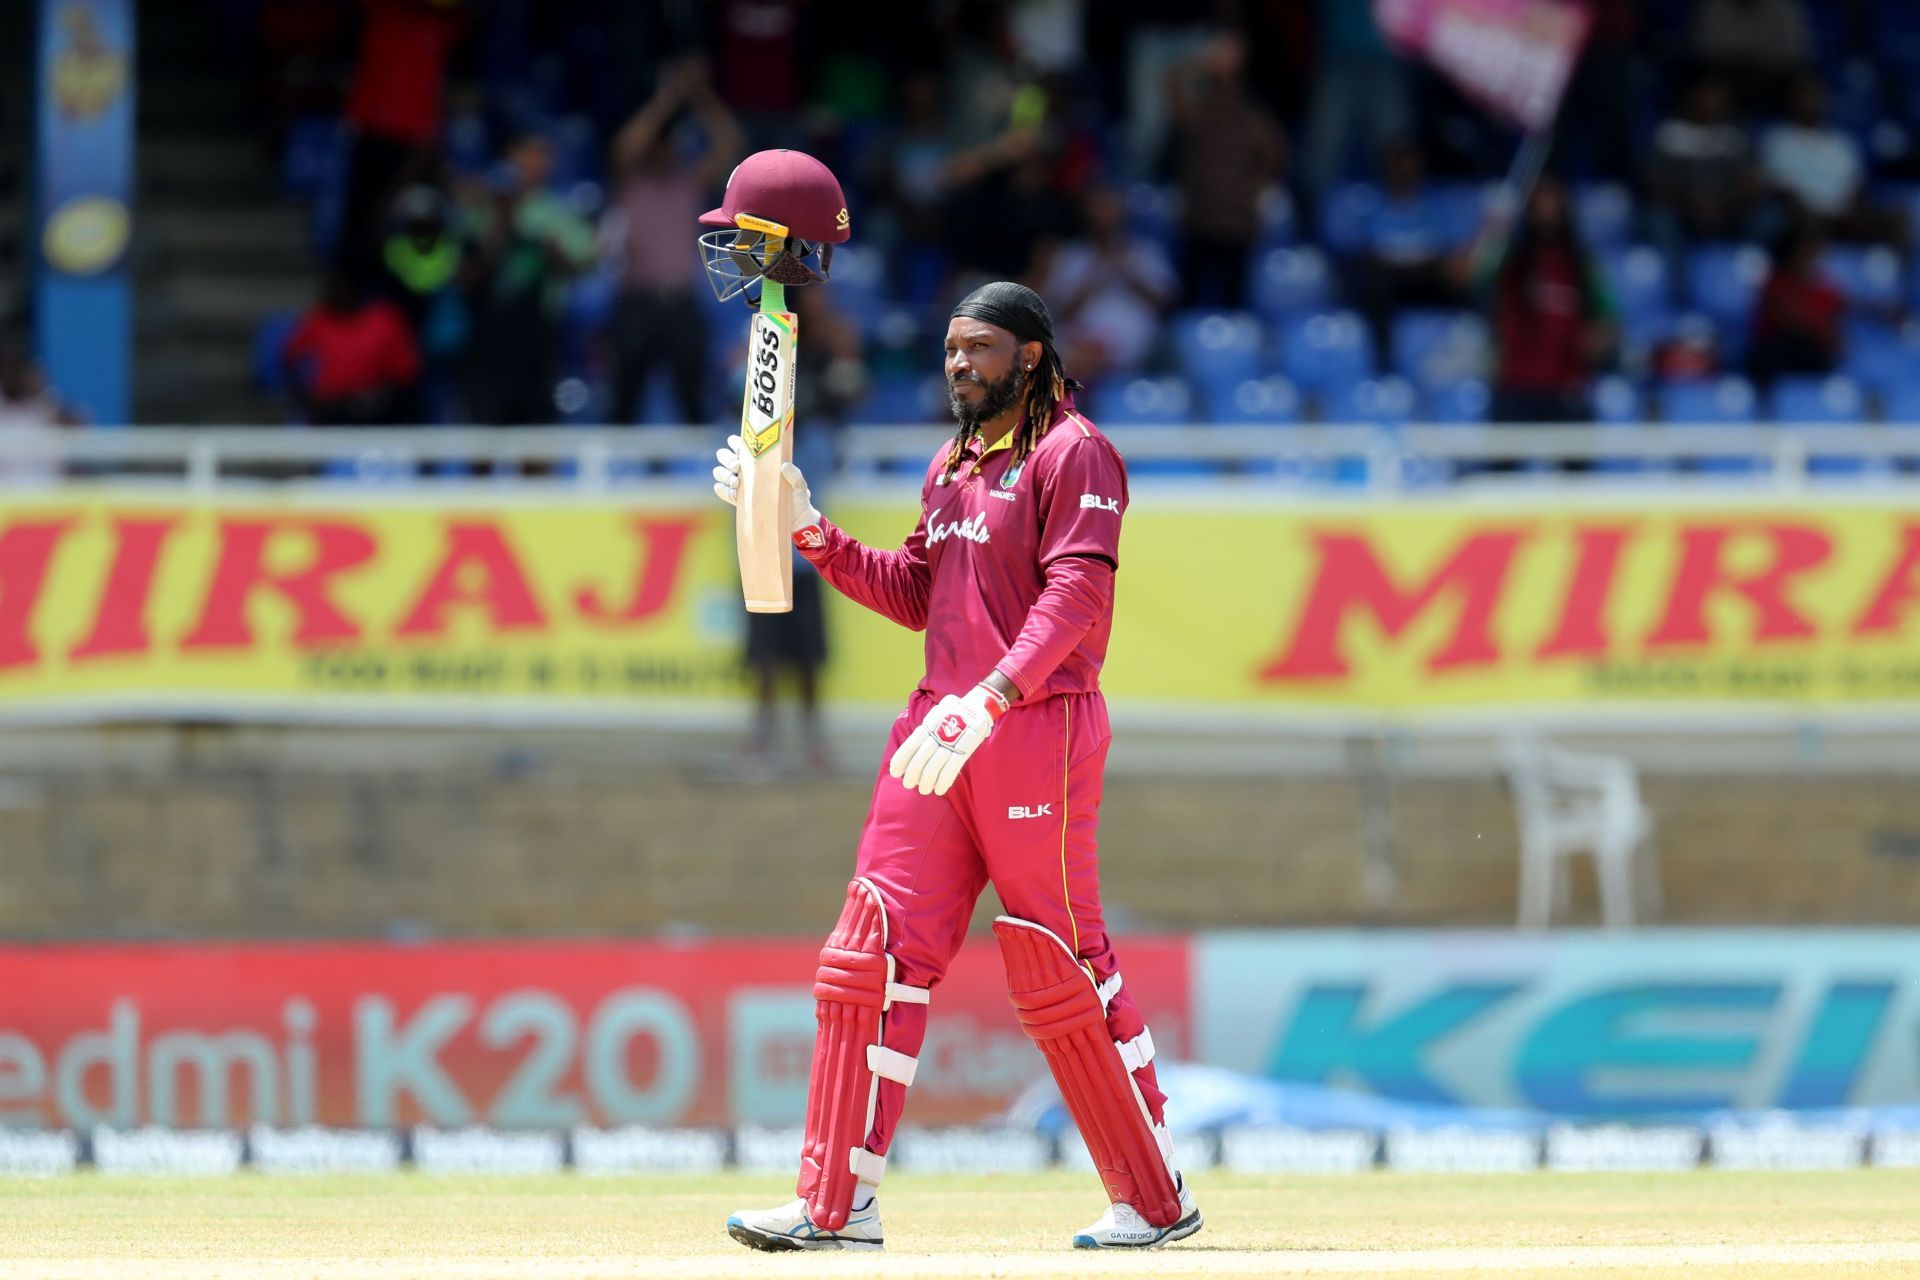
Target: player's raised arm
894	584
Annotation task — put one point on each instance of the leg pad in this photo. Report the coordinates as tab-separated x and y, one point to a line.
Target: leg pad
1060	1007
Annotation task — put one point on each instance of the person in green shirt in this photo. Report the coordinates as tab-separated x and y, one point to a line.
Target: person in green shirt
524	244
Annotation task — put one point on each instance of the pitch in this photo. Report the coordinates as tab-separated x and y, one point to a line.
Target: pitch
397	1227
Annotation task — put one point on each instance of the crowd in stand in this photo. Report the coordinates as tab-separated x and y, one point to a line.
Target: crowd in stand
1257	212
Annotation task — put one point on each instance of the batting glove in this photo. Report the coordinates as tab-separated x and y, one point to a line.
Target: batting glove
806	517
930	759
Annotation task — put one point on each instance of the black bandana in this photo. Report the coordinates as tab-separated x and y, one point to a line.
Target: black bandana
1013	307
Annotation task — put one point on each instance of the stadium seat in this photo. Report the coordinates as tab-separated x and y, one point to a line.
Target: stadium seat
1814	401
1462	208
1143	402
1218	347
1465	401
859	285
1728	400
1724	279
1869	275
1290	282
313	157
1900	403
1388	401
1617	402
1604	213
1255	402
1154	212
1434	348
269	372
1279	218
1637	276
1879	356
899	399
1327	352
1346	212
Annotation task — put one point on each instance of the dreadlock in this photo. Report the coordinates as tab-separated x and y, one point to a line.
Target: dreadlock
1047	386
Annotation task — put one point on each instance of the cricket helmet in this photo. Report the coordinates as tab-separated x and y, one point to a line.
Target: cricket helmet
782	214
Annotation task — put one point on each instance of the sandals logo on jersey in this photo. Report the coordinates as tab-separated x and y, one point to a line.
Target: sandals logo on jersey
950	730
973	528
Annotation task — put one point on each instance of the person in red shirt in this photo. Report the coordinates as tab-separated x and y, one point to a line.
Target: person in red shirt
395	108
1796	318
993	772
1552	318
354	360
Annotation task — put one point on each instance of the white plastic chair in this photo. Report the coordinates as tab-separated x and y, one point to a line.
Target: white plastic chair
1568	803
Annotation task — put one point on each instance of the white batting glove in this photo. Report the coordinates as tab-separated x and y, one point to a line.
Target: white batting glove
726	486
930	759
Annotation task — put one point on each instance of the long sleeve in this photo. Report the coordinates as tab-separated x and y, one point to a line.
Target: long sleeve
1078	594
894	584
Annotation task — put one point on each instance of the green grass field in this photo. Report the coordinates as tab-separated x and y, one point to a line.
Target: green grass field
1699	1225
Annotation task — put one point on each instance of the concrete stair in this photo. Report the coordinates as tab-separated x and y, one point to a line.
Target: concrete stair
217	250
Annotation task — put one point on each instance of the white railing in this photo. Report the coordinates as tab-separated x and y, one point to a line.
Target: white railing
1394	458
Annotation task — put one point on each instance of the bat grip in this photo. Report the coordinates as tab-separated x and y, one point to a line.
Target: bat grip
773	295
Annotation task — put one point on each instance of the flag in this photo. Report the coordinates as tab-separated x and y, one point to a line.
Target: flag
1512	56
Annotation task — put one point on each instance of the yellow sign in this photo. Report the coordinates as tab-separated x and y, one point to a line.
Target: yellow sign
117	600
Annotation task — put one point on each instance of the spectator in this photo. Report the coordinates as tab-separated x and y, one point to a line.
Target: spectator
1004	194
657	202
1820	170
353	359
421	263
1230	150
1109	290
1552	318
30	413
831	378
1757	44
1701	180
1408	245
394	108
525	244
1360	101
1796	319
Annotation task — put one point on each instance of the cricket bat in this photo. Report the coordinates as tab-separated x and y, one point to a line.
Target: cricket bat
763	519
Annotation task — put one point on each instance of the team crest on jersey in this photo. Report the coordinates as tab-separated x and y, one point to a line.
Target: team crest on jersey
1012	477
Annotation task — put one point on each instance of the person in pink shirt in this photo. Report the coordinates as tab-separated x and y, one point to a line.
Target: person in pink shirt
993	771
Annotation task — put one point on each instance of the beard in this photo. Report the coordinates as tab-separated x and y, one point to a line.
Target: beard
998	398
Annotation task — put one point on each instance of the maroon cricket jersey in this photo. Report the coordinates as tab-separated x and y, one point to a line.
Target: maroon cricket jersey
978	558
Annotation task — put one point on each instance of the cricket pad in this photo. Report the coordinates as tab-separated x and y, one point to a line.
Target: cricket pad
1061	1009
852	991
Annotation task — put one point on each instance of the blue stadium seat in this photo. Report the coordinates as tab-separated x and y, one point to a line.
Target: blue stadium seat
468	148
1154	212
1617	402
1814	401
1604	213
858	282
1255	402
896	398
1462	208
1290	282
1388	401
1327	352
269	373
1880	356
1218	347
1465	401
1869	275
1728	400
1434	348
1724	279
1279	218
314	156
1900	403
1143	402
1346	214
1637	276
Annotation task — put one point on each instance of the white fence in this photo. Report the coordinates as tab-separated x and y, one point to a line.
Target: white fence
1378	459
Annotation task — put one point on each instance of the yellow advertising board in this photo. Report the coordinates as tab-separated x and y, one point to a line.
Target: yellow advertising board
122	602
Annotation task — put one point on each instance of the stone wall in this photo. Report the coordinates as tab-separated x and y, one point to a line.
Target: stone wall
238	843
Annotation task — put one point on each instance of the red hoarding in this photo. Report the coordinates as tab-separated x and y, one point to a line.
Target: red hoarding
514	1035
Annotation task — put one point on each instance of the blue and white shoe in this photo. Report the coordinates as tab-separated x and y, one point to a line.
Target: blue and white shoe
788	1228
1122	1227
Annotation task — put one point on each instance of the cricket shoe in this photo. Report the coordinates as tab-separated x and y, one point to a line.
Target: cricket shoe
1122	1227
788	1228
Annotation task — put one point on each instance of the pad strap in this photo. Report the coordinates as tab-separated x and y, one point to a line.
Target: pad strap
1137	1052
866	1166
892	1065
901	993
1109	989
